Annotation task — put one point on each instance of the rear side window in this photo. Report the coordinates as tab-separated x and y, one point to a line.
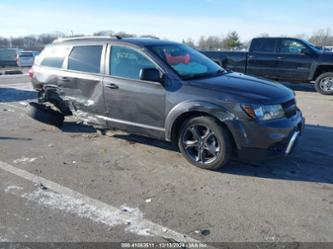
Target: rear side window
264	46
85	59
54	56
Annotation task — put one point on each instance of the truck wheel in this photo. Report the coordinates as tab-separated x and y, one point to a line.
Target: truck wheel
45	114
324	84
204	143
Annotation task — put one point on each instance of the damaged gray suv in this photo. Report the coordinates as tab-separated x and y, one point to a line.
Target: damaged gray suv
168	91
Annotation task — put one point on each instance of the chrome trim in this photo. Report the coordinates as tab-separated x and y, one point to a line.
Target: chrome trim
131	123
292	142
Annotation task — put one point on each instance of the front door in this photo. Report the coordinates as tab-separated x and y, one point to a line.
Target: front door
295	60
262	59
132	104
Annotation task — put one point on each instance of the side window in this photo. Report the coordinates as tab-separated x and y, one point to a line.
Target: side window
54	56
264	46
85	59
291	47
127	63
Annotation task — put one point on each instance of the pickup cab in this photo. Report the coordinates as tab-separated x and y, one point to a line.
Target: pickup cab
282	59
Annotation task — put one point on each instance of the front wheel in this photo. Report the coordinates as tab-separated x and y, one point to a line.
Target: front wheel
324	84
204	143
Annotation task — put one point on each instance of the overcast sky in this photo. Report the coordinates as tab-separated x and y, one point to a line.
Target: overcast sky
171	19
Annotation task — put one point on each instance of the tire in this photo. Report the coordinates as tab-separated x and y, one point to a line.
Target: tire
45	114
324	84
205	143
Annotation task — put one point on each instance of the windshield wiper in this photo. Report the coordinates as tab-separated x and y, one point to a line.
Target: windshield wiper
204	75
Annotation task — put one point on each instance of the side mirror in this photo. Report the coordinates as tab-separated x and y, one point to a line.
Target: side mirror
151	74
305	51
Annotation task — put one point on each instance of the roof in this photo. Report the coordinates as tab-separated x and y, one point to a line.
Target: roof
136	41
279	37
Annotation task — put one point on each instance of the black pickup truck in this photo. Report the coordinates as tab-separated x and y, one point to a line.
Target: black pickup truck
283	59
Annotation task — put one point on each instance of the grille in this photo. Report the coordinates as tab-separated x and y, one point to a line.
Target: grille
290	108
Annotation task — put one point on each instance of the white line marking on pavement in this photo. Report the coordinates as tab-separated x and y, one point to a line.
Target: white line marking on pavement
71	201
10	76
17	84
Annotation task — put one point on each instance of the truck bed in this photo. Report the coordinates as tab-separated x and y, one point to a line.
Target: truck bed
236	61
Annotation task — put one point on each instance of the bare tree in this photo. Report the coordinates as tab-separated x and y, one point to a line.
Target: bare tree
150	36
4	43
190	42
263	35
104	33
210	43
322	37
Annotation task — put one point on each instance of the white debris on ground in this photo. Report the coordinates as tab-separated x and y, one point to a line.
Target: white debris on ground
2	239
12	188
148	200
25	160
23	103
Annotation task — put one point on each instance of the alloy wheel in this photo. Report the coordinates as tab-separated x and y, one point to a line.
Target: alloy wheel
201	144
326	84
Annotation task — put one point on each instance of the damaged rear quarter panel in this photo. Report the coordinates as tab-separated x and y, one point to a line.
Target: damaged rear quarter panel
83	90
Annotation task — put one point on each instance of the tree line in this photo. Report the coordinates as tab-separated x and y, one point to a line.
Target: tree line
231	41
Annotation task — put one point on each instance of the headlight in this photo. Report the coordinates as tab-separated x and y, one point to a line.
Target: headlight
264	112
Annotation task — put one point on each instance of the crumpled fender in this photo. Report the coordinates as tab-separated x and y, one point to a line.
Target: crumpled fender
215	110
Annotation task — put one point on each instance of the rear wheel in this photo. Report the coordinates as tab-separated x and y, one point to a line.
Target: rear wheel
324	84
45	114
204	143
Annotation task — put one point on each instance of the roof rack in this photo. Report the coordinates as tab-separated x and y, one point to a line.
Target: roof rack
85	38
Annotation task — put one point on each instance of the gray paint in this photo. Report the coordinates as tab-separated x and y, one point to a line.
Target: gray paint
152	108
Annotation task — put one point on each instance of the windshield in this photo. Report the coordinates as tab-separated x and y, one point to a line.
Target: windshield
188	63
313	46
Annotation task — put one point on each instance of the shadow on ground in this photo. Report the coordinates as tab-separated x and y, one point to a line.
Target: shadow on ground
14	95
74	127
15	138
147	141
302	87
309	162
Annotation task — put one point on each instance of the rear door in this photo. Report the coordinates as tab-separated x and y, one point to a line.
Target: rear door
295	60
132	104
82	82
262	58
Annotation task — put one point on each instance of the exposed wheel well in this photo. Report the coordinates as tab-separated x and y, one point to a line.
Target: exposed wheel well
182	118
50	95
322	69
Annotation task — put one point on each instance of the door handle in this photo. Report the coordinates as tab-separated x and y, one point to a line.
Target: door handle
64	79
112	86
252	56
280	58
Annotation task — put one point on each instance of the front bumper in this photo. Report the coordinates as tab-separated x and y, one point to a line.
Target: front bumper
268	140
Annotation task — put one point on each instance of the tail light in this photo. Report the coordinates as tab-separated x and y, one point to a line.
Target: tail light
31	73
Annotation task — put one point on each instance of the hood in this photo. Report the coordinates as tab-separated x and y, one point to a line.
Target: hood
250	89
327	57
